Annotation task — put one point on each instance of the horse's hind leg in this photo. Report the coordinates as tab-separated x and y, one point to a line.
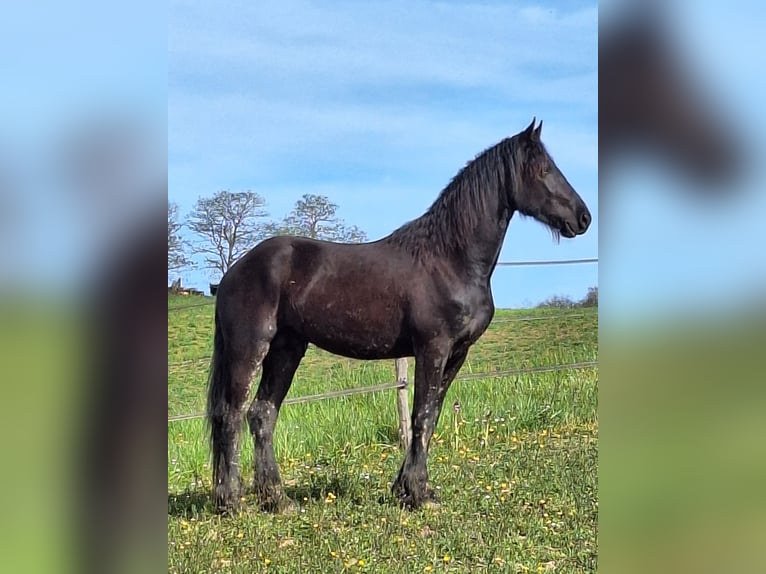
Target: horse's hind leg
279	367
226	408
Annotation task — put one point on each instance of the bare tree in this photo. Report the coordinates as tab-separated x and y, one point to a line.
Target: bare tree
176	246
591	298
228	225
316	216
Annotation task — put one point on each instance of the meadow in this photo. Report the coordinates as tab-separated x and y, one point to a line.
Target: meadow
514	460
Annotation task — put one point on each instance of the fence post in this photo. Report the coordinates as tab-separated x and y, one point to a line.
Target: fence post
405	422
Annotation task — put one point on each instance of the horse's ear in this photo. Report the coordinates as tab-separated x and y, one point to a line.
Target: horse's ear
530	129
536	133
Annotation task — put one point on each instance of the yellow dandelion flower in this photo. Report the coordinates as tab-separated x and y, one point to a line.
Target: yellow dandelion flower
333	553
428	568
267	561
447	558
240	535
360	563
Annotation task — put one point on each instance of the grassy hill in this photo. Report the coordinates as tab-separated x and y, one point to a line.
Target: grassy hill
515	465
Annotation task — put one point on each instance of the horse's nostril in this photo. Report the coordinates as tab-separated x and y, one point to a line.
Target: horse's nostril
584	220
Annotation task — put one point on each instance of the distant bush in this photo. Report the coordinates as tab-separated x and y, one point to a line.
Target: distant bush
557	302
563	302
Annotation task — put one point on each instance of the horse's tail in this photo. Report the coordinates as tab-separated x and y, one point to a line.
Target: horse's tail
222	416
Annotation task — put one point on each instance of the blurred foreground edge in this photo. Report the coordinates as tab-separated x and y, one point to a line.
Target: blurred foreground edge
124	460
681	403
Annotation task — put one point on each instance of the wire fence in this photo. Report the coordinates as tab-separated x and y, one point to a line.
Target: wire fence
403	383
547	262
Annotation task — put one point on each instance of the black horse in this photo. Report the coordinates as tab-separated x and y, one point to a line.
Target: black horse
423	291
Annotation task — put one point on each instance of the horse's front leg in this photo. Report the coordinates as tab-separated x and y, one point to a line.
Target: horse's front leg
434	371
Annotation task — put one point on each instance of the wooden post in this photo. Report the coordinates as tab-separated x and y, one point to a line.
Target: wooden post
405	422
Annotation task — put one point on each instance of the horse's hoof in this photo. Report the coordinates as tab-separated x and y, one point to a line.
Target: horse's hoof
227	507
415	501
226	501
409	502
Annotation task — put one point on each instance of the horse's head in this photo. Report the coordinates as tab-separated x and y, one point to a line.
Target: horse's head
647	102
543	191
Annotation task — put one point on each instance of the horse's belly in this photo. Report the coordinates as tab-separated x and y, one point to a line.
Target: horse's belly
359	334
357	343
355	350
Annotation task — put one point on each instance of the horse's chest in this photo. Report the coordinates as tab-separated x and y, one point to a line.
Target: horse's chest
472	320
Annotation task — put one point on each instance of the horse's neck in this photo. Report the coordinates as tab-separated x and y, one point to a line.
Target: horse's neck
482	250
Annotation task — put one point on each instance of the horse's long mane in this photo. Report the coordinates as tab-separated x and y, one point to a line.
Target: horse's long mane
463	204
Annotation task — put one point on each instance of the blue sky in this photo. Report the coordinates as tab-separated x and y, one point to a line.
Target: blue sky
378	104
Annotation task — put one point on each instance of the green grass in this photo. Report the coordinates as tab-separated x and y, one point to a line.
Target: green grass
515	465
